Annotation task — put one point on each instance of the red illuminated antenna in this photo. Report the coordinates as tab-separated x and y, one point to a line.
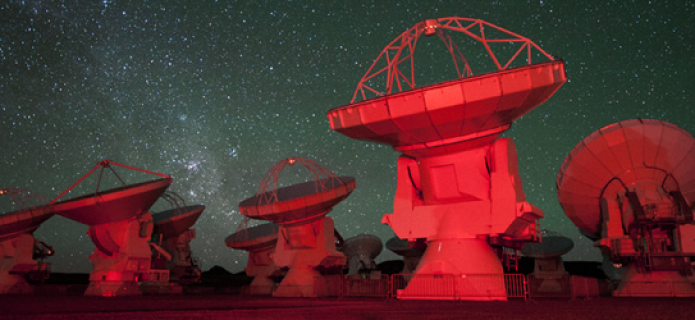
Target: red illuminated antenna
178	219
475	108
120	228
459	188
260	243
631	186
22	213
174	228
29	210
306	237
323	183
111	205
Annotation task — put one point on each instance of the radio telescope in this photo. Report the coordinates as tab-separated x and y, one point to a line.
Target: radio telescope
361	250
411	252
549	275
18	248
260	242
173	233
306	241
120	228
458	185
631	185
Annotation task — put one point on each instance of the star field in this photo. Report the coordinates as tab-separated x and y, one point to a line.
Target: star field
214	93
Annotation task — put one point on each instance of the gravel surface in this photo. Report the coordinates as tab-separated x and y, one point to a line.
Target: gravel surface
234	307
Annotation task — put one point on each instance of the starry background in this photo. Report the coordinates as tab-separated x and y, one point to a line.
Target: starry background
214	93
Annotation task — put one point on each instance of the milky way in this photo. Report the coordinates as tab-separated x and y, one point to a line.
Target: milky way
214	93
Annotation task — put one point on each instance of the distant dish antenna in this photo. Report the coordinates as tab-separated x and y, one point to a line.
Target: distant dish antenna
549	276
173	232
119	226
459	186
24	213
260	242
631	185
410	251
553	245
361	250
306	242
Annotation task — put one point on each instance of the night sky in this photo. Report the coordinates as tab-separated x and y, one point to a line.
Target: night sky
214	93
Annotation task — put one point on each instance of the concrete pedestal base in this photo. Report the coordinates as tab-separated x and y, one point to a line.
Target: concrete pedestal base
261	286
458	269
298	282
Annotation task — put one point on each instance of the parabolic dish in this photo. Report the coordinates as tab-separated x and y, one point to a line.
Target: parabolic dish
631	151
23	221
402	248
452	111
113	205
552	246
363	244
299	202
174	222
256	238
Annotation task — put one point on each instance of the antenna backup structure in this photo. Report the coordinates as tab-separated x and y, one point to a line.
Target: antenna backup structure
306	241
630	186
120	228
18	247
458	185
